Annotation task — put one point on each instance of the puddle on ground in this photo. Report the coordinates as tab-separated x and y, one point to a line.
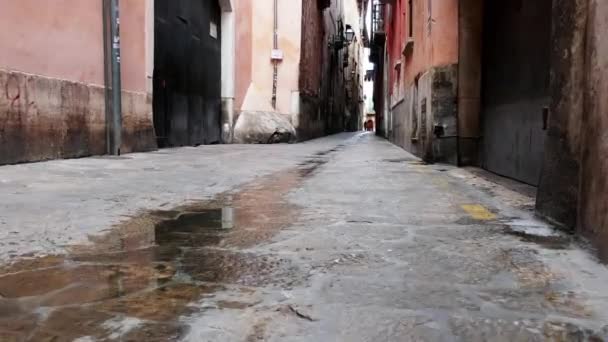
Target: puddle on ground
546	241
335	149
153	267
537	232
410	161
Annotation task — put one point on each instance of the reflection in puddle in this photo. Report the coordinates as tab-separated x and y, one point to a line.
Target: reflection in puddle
547	241
152	267
538	232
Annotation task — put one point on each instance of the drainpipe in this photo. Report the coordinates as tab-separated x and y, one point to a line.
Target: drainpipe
228	27
111	33
275	46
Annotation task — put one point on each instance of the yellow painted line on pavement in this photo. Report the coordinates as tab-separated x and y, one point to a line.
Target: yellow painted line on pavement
418	167
441	183
478	212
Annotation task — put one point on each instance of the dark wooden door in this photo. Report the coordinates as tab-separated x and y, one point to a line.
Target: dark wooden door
187	72
515	86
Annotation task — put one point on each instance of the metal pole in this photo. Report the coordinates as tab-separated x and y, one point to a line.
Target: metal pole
107	63
116	78
275	45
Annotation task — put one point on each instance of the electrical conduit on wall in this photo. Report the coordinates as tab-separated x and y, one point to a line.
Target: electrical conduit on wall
275	62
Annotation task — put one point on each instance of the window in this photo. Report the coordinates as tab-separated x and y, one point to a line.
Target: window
410	18
408	45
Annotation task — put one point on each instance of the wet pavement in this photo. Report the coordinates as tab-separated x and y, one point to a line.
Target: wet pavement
346	238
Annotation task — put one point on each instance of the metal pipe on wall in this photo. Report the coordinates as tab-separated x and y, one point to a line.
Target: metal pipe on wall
111	37
275	46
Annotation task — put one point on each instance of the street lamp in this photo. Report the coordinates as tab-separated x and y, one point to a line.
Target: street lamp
350	34
343	39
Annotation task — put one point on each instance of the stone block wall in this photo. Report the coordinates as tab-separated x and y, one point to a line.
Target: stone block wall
428	103
45	118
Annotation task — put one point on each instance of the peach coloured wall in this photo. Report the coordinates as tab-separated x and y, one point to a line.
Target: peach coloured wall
244	50
52	74
58	39
259	91
133	44
63	39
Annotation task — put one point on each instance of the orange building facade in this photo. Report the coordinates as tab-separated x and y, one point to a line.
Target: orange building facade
514	87
420	64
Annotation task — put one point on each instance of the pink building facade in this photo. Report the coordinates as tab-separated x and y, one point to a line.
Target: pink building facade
514	87
52	77
421	65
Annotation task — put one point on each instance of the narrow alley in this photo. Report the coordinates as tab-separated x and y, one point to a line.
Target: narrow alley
303	170
343	238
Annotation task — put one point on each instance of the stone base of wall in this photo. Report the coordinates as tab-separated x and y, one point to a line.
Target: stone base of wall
311	124
254	127
424	122
43	118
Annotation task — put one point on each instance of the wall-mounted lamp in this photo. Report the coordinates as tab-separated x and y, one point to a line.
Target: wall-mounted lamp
343	38
350	34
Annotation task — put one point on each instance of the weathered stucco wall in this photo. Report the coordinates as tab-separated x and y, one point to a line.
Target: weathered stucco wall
557	197
424	123
59	39
312	48
354	73
256	118
333	83
435	39
47	118
244	51
310	122
52	76
593	212
64	39
259	92
133	44
574	188
423	78
470	39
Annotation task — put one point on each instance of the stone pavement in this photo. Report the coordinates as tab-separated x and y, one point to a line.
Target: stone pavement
345	238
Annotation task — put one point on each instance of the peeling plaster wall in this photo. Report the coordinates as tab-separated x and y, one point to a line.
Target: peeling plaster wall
311	123
333	85
46	118
424	72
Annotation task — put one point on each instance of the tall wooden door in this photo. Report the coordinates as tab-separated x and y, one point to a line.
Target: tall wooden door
187	72
515	87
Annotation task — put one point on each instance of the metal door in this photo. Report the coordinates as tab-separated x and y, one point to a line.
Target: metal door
515	86
187	72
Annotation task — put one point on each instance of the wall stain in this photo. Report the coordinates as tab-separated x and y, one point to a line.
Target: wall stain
48	118
154	265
